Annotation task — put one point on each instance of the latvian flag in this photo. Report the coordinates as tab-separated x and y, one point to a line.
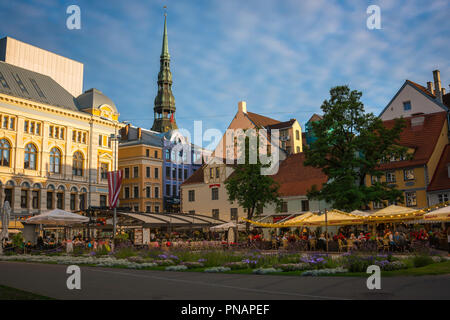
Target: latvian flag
114	184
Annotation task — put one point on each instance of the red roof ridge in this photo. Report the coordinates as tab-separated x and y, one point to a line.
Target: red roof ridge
441	180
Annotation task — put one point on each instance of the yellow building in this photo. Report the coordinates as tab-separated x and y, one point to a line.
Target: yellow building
426	136
141	162
55	148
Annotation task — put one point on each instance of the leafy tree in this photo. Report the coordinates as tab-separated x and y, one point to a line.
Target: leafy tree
350	145
248	187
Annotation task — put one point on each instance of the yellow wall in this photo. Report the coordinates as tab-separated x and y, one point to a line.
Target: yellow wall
135	156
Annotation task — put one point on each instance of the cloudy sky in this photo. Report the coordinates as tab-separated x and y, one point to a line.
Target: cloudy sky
281	56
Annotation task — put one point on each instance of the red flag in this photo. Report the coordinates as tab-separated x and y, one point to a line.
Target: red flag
171	117
114	184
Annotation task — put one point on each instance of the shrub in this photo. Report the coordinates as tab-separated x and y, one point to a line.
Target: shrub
193	264
422	261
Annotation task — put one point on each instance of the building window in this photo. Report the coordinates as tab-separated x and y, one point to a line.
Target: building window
174	190
407	105
109	142
156	173
297	134
127	192
156	194
55	160
136	192
100	140
148	209
217	172
411	200
30	157
374	179
60	200
35	199
305	205
147	192
127	173
377	205
211	173
147	169
77	169
191	195
215	194
156	154
174	173
24	199
408	174
82	199
443	197
167	172
185	174
390	177
49	200
167	154
5	150
180	174
298	149
72	201
284	206
135	172
215	213
168	190
103	200
156	209
233	214
147	153
104	170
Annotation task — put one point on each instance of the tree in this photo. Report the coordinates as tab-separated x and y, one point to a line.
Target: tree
249	188
350	145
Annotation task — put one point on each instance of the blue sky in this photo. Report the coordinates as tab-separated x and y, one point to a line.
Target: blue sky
281	56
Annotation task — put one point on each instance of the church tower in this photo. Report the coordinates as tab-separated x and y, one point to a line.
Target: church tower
164	110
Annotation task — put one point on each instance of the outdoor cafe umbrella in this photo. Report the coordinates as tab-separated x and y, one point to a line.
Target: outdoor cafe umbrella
334	217
6	212
57	217
394	213
442	214
228	225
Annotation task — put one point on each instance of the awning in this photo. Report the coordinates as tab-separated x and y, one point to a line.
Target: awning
334	217
13	225
394	213
442	214
227	226
57	217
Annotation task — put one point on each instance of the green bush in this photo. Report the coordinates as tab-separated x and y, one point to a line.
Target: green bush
422	261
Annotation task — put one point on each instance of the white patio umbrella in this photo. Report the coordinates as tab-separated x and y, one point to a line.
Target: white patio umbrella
57	217
228	225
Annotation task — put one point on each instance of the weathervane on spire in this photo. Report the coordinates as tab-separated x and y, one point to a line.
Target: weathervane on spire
165	11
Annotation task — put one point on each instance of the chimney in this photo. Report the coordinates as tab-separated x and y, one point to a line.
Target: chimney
437	85
242	106
443	92
430	87
139	133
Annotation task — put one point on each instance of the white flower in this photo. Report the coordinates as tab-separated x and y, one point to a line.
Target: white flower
176	268
266	270
218	269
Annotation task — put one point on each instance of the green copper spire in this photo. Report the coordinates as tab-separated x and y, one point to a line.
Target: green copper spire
165	44
164	110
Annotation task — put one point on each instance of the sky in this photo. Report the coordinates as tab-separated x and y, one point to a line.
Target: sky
280	56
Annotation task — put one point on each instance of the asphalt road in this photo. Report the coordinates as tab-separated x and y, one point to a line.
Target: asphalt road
107	283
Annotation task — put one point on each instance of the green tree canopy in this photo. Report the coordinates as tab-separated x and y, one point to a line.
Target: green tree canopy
349	145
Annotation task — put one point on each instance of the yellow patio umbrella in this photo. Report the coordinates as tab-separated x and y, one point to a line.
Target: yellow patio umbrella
294	222
334	218
13	225
394	213
442	214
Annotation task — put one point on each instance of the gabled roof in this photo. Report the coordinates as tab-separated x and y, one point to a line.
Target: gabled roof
420	89
33	86
441	179
295	179
315	117
195	178
421	138
261	121
282	125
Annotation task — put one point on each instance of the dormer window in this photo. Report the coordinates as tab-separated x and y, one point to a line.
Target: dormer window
407	105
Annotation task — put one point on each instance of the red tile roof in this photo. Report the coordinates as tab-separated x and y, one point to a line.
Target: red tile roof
261	121
196	177
421	88
441	180
295	179
446	100
422	139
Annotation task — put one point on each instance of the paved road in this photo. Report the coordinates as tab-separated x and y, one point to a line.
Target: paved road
106	283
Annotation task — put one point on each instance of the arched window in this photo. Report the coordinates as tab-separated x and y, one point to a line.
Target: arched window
5	151
30	157
55	160
77	164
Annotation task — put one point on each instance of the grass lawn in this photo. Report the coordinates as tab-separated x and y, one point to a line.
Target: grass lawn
8	293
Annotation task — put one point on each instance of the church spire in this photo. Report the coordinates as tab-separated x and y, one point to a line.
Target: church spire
164	110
